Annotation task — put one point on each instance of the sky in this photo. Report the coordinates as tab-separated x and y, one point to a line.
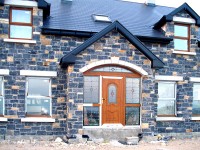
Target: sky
195	4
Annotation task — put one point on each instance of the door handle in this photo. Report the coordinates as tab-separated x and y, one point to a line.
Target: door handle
103	99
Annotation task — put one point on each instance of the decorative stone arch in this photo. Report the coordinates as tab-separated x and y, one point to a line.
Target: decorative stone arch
114	61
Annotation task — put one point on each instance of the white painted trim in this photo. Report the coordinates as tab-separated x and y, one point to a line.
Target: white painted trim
169	119
37	119
37	33
168	78
20	41
87	104
184	20
110	77
194	79
21	3
4	72
195	118
2	119
115	62
33	73
184	53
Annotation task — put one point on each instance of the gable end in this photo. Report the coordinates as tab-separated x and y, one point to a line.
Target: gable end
70	58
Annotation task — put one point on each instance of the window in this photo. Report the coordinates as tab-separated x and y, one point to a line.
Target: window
181	37
196	100
91	96
101	18
21	23
166	99
1	97
38	97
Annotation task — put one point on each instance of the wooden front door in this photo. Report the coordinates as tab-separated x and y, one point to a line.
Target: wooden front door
112	101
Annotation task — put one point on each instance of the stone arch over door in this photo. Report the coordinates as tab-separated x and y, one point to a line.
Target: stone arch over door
115	61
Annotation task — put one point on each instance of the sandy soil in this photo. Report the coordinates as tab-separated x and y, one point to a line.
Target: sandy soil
186	144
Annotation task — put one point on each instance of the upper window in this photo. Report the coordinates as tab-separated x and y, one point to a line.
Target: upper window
1	97
166	99
181	37
38	97
196	99
21	23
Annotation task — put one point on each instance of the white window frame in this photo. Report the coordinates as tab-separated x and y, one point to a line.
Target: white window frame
2	96
198	115
170	99
42	97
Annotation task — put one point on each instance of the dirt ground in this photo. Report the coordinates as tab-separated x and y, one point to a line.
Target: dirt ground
186	144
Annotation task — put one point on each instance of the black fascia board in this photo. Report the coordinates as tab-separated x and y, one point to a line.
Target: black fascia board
169	17
42	4
86	34
1	2
70	57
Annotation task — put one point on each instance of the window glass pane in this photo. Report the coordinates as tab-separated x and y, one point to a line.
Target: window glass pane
180	44
1	106
112	69
36	106
38	87
166	107
181	31
166	90
1	86
132	115
196	91
91	89
91	116
23	16
132	90
112	90
196	107
24	32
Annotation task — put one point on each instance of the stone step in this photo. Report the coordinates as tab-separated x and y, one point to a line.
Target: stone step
109	134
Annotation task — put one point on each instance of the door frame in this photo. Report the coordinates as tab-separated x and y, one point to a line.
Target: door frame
115	75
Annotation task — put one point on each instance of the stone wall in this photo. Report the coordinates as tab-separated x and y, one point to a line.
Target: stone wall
111	45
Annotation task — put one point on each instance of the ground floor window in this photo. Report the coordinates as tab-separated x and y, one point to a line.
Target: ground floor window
196	99
166	99
2	107
38	96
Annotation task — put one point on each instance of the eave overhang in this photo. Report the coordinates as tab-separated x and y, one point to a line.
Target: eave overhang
42	4
70	58
169	17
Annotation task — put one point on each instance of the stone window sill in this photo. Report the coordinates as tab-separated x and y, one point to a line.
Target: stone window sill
20	41
195	118
169	119
184	53
2	119
37	119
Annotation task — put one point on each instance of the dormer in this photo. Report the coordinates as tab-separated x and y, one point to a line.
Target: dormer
182	25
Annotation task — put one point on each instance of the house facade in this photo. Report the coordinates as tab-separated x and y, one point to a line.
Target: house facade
98	67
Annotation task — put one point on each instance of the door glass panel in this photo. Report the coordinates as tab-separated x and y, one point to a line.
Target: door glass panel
132	90
91	89
91	116
112	91
132	115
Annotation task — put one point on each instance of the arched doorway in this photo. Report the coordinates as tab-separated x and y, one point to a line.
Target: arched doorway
112	95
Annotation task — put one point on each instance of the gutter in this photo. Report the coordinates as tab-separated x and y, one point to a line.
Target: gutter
86	34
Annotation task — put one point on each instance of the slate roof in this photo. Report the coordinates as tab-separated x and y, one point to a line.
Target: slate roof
138	18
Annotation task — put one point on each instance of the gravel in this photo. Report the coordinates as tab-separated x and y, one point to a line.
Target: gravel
175	144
